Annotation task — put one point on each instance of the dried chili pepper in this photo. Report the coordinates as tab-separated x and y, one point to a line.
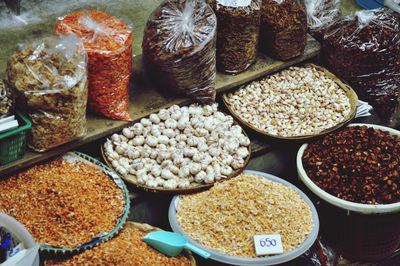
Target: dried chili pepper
108	42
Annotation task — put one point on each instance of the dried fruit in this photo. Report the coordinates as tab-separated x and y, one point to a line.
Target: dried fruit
283	28
108	42
238	33
50	80
358	164
179	48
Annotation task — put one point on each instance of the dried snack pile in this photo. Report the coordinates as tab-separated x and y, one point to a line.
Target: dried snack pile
230	214
298	101
127	248
283	28
321	14
357	164
364	50
62	203
49	78
108	42
238	33
179	48
6	100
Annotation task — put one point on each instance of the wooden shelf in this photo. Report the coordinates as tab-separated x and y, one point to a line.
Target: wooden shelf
146	99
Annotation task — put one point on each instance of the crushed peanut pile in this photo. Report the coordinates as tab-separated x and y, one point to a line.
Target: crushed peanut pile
64	204
298	101
125	249
230	214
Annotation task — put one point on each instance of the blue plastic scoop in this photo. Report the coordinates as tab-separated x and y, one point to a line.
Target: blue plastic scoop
172	244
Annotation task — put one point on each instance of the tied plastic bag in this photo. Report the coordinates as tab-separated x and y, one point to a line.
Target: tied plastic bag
321	14
283	28
364	50
179	48
108	42
6	100
49	79
238	33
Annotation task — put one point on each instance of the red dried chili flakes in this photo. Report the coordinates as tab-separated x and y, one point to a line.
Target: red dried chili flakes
358	164
108	42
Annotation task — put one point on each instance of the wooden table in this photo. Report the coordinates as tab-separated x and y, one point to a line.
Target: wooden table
145	99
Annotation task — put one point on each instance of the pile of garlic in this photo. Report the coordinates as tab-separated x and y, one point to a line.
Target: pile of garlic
179	146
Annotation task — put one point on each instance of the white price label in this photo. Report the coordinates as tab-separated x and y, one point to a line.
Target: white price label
268	244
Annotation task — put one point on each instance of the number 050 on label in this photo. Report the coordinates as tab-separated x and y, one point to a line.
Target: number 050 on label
268	244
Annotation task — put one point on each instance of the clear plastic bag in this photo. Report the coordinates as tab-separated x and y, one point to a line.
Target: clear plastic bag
283	28
6	100
364	50
179	48
50	81
321	14
238	33
108	42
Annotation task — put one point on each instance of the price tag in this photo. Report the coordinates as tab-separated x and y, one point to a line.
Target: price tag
268	244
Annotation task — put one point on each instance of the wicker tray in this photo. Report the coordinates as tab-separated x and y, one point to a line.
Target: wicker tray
131	179
350	94
77	156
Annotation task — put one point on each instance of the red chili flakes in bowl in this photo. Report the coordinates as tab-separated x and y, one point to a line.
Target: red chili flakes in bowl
358	164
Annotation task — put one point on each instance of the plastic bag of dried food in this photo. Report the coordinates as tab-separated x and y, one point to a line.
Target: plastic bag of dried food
321	14
179	48
364	50
108	42
49	79
6	100
283	28
237	33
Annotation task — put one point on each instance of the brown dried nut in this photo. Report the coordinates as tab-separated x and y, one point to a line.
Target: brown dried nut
62	203
49	79
6	100
179	48
358	164
283	28
364	50
238	34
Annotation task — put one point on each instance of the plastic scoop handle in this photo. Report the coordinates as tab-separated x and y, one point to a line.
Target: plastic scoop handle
198	251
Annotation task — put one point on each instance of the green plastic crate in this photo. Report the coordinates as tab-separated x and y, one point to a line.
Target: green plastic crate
13	143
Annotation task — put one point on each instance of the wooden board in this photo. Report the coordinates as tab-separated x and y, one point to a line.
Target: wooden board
146	99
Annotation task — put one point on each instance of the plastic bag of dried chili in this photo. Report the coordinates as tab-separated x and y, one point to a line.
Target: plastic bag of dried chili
108	42
364	50
179	48
321	14
283	28
49	78
238	33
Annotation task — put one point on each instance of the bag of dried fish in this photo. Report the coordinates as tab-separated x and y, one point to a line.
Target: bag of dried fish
321	14
238	33
6	100
179	48
364	50
108	42
283	28
49	78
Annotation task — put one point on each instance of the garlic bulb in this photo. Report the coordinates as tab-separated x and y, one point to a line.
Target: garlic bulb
179	146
